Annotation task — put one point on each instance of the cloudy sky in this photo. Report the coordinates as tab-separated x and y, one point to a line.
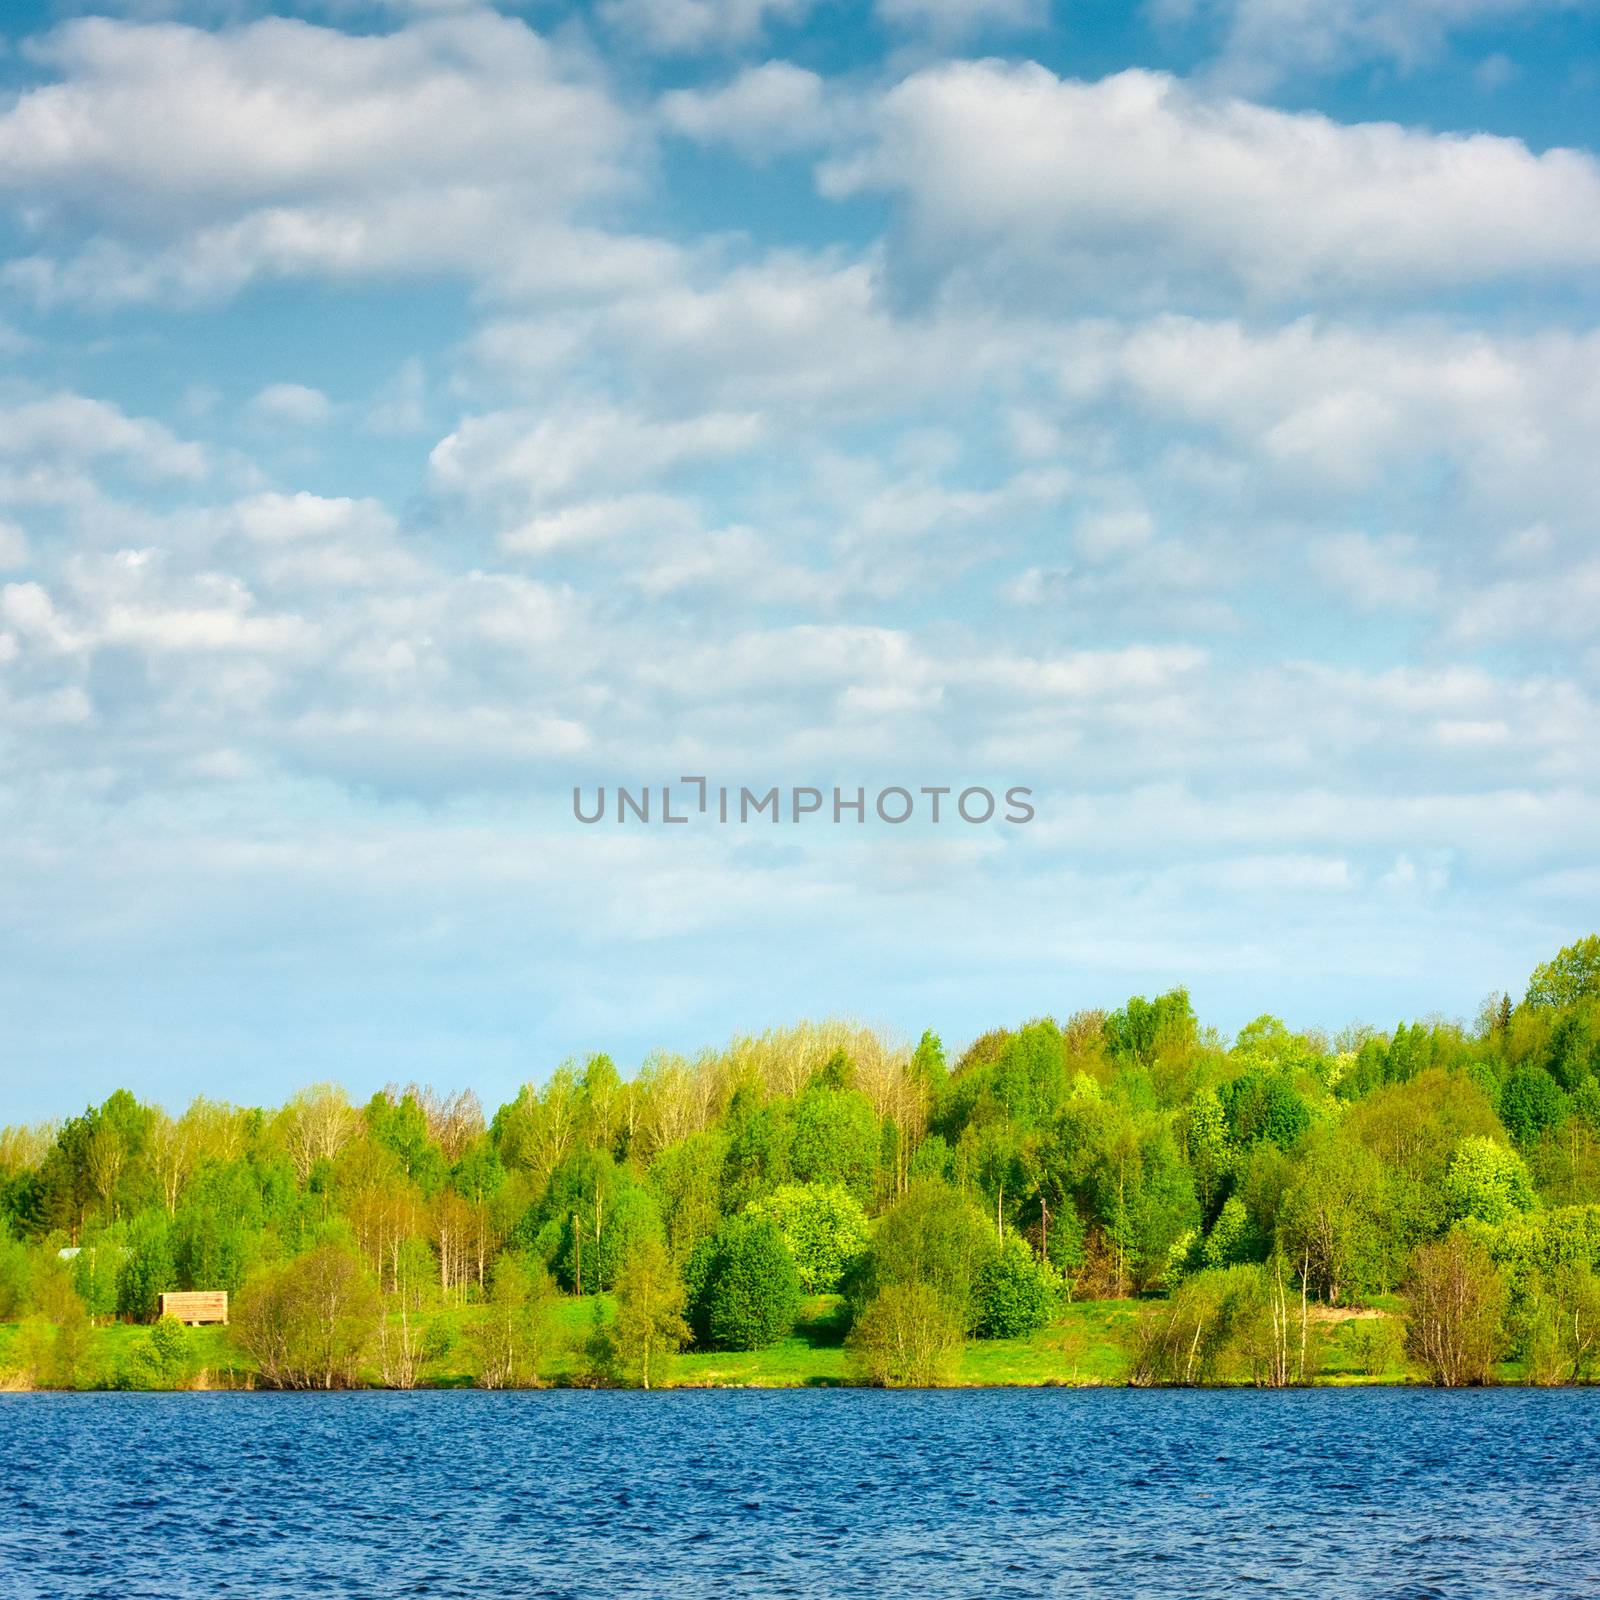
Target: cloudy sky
410	411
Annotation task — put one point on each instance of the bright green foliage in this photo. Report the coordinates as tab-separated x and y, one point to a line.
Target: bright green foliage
927	1068
933	1159
1574	1052
95	1271
1573	975
512	1331
146	1271
1143	1028
1328	1224
216	1233
400	1127
163	1358
650	1326
1488	1182
1136	1149
592	1214
686	1180
757	1159
1238	1324
1531	1101
1234	1237
823	1226
1264	1105
744	1286
834	1140
309	1322
1209	1143
1017	1293
1145	1191
906	1337
1456	1329
170	1341
1558	1325
931	1236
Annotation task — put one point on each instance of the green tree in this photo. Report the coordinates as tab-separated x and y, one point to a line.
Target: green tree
823	1226
1488	1182
308	1322
1531	1101
650	1325
1328	1222
1017	1293
931	1236
1561	1324
512	1331
744	1286
1572	975
907	1336
1456	1323
686	1179
834	1140
146	1272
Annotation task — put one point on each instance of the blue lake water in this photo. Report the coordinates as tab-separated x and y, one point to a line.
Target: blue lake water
991	1493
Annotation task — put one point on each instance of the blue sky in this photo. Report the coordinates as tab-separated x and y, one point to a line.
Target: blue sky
412	410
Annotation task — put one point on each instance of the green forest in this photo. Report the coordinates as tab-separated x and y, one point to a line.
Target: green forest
1121	1196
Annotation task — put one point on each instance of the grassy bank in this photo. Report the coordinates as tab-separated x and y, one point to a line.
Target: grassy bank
1089	1344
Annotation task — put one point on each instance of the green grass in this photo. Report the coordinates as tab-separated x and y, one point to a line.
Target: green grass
1087	1345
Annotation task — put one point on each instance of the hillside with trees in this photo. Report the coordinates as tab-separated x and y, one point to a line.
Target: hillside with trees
1238	1198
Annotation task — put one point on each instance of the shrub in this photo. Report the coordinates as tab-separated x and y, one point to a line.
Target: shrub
930	1236
745	1284
908	1337
1017	1293
1236	1325
1375	1345
1456	1327
309	1321
512	1331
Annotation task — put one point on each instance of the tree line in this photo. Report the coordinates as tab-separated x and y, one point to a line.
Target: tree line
1233	1187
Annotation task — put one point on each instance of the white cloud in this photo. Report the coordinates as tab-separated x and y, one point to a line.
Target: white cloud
1561	603
762	111
1374	574
1264	40
948	22
695	27
1353	408
526	460
1009	174
291	405
13	546
641	518
71	429
205	159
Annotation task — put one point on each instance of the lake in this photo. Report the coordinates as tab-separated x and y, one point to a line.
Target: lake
1326	1493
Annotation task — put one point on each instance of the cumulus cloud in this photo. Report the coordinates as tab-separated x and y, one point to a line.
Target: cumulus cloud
695	27
290	405
949	22
194	161
1008	174
1262	41
762	111
67	428
1374	574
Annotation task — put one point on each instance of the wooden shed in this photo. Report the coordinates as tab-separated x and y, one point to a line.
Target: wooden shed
196	1305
